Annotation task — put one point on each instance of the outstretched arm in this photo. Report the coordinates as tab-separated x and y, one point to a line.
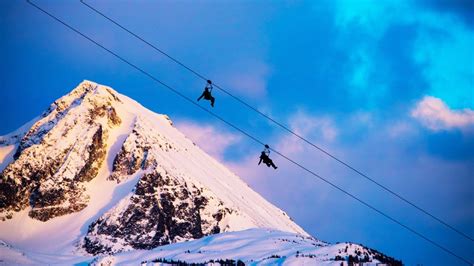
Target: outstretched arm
260	161
202	95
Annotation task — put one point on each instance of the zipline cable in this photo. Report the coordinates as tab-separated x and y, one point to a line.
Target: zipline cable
283	126
247	134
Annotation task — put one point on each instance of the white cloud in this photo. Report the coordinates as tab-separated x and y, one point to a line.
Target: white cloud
399	129
209	138
362	118
434	114
375	17
307	125
246	77
441	49
447	60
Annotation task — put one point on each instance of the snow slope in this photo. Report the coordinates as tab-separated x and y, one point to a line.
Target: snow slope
9	143
253	247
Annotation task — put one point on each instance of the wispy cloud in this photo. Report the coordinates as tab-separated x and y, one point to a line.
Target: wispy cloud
322	130
434	57
247	77
212	140
400	129
434	114
364	13
446	60
306	124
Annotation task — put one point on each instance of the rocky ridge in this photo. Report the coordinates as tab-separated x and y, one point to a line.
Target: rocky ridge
57	155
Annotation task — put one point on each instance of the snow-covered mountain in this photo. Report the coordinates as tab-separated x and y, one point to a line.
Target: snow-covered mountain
97	173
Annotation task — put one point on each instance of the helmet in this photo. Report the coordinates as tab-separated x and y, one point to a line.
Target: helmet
209	81
266	146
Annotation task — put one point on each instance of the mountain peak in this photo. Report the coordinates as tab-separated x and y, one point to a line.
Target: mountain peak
94	135
87	89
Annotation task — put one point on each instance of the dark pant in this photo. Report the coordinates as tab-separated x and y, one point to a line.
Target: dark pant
268	162
208	96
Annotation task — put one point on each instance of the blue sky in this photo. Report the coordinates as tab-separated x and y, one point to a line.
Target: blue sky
388	87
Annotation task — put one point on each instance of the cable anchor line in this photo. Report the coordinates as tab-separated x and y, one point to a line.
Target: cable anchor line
248	135
282	126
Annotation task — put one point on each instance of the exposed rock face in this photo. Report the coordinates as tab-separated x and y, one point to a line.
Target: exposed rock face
164	207
59	153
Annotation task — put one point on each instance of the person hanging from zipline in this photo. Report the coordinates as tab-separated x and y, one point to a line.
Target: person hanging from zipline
265	157
207	93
